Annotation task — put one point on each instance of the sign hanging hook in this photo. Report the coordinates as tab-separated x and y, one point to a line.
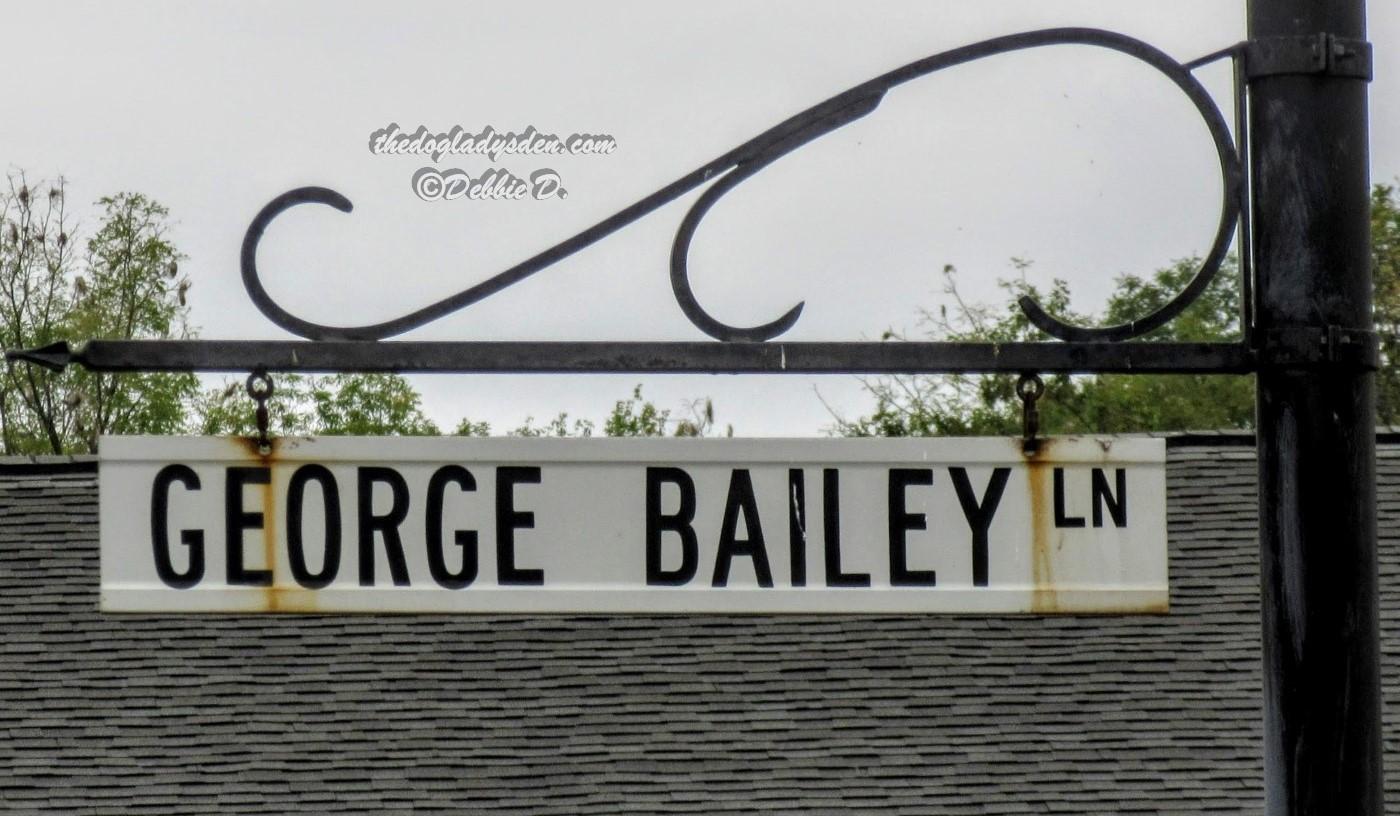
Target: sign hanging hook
260	389
1030	388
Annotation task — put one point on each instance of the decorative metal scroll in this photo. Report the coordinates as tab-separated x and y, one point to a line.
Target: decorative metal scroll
747	350
741	163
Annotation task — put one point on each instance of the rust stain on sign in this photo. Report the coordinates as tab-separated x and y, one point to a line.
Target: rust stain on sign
1043	595
278	597
1046	542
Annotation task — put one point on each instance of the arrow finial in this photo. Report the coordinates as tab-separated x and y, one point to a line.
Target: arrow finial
54	356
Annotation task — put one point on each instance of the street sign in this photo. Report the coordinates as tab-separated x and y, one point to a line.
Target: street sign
633	525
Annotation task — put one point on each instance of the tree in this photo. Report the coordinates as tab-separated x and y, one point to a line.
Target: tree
1113	403
639	417
369	405
958	405
1385	271
388	405
126	286
634	416
132	289
559	426
337	405
467	427
36	252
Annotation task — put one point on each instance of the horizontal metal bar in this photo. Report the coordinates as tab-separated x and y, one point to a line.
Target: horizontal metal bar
684	357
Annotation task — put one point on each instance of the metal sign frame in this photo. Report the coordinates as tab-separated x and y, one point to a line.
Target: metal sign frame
1294	181
747	349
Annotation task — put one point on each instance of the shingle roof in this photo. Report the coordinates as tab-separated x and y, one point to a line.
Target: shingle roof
613	715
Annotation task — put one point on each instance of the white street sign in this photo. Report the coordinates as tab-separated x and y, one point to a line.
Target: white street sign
633	525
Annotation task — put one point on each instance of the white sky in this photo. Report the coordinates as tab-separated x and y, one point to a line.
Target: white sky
1082	161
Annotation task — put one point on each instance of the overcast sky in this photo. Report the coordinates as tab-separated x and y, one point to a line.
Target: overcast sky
1082	161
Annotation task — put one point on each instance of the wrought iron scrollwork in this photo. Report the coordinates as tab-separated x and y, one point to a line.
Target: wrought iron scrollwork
737	165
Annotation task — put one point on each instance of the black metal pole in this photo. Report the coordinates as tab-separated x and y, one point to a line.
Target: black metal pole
1316	443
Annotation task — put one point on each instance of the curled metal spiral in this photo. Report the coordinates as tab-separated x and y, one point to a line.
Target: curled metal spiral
744	161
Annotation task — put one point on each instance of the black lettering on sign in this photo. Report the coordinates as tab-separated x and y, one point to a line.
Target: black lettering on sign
979	514
464	539
741	498
386	525
901	522
1061	518
193	540
1117	504
797	527
508	520
679	523
330	500
236	520
831	527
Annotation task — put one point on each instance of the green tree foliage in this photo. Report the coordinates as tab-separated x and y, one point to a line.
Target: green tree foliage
368	405
387	405
132	289
1113	403
126	285
337	405
958	405
559	427
36	259
634	416
638	417
468	427
1385	270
